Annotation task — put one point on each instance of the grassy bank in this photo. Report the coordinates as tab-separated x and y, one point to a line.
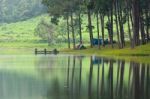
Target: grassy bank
19	48
138	54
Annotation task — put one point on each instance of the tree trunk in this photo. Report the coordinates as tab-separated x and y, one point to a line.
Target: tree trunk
111	20
147	22
68	32
90	27
142	30
128	20
102	27
129	32
131	17
147	28
97	17
110	30
136	15
116	16
73	33
80	27
121	25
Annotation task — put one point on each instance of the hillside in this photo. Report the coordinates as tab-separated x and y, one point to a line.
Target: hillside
20	31
25	30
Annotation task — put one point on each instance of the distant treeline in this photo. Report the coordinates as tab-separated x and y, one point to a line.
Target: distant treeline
18	10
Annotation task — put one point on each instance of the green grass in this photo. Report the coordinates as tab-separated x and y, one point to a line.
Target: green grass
25	48
140	53
20	31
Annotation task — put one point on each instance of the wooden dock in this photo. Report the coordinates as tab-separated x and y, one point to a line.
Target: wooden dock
45	51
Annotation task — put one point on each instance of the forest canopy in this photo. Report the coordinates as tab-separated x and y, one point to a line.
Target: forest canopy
18	10
113	15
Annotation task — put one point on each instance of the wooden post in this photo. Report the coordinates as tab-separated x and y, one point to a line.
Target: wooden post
45	51
35	51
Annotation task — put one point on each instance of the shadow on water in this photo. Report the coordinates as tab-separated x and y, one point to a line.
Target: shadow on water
78	77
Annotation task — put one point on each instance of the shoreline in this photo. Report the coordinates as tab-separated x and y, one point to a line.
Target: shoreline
139	54
142	59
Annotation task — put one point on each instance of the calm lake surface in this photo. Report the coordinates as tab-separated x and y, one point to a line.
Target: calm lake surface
72	77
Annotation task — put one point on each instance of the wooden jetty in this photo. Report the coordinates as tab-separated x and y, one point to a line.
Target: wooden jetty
45	51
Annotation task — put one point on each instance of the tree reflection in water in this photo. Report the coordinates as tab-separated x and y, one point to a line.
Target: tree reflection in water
73	77
103	79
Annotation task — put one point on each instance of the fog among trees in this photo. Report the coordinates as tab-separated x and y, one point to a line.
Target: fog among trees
18	10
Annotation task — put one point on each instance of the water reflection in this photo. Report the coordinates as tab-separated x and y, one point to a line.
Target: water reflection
74	77
104	78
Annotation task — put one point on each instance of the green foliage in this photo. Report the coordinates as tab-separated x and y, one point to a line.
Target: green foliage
46	31
16	10
53	33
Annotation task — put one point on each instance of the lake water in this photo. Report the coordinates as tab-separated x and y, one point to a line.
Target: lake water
72	77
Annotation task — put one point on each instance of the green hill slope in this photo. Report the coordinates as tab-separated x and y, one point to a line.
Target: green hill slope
20	31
